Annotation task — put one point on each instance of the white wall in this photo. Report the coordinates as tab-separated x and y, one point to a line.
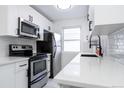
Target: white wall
58	28
84	37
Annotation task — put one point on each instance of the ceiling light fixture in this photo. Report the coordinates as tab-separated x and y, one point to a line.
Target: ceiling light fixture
64	4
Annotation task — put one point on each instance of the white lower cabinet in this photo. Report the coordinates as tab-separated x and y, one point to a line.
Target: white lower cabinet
7	76
21	74
21	79
14	75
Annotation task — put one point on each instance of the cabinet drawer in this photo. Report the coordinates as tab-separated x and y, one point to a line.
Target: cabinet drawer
22	65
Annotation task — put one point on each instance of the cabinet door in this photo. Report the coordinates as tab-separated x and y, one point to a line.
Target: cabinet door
12	23
21	74
7	76
109	14
21	79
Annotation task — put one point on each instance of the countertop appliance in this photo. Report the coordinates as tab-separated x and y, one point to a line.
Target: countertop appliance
51	44
37	71
20	50
27	28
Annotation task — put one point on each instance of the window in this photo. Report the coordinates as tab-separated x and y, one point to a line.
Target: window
72	39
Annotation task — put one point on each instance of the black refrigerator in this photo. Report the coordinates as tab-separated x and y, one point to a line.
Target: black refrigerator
51	44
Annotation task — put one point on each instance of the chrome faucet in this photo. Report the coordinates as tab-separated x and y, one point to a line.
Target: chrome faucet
99	44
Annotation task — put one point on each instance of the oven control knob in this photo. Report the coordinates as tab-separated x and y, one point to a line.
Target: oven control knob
23	47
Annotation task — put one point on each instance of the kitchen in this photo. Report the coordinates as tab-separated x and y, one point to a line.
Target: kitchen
50	46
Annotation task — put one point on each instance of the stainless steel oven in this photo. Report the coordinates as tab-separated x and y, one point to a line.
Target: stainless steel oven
27	28
37	72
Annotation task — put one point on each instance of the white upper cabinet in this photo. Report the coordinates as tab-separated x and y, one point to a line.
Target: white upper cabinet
106	18
108	14
9	19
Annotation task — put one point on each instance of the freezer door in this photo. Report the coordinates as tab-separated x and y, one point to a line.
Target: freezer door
57	39
56	43
57	61
54	49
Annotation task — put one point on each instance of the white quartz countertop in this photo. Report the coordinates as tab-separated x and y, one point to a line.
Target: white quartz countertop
92	72
10	60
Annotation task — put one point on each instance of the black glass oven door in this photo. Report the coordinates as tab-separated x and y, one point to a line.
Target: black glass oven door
39	67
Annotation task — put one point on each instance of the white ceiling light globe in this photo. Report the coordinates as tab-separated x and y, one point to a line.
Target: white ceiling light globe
63	6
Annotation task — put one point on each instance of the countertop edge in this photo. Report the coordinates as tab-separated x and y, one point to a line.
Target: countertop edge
6	61
80	85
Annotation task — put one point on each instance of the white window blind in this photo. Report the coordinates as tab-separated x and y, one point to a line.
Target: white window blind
72	39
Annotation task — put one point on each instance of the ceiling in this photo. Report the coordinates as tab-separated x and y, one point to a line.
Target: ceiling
56	14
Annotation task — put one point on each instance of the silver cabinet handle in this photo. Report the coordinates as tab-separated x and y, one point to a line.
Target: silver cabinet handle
22	65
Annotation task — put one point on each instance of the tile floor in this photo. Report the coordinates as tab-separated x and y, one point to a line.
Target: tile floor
51	84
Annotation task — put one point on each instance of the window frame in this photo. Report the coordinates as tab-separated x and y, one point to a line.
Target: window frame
70	40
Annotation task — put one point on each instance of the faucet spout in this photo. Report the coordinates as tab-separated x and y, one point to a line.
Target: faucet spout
99	44
100	47
90	41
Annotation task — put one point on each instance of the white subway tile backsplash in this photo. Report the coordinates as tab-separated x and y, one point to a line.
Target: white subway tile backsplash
116	43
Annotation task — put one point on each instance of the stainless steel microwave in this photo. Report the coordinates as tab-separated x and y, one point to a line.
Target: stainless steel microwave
27	28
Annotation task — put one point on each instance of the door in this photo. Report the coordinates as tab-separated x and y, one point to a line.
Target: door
21	74
57	61
57	39
22	79
57	54
54	46
7	76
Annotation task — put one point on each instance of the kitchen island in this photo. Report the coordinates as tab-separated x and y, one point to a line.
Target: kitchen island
92	72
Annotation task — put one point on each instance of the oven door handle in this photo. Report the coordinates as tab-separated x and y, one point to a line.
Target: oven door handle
23	65
39	79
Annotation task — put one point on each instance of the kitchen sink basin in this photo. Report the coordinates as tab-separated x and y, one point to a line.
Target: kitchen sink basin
88	55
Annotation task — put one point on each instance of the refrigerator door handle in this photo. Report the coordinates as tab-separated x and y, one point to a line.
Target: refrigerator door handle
55	52
55	46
